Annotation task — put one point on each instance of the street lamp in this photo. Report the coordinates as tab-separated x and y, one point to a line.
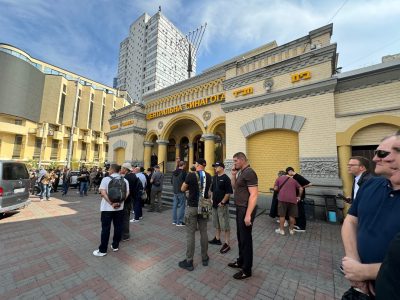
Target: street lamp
70	142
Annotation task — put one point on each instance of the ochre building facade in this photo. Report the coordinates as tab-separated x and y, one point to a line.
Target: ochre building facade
281	105
37	104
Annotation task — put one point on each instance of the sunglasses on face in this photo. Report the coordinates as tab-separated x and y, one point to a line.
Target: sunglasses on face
381	153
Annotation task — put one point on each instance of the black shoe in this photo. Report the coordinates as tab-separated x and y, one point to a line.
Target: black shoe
234	265
241	275
188	265
205	261
225	248
214	241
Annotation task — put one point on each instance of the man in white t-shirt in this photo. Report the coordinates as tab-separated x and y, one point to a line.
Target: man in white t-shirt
110	212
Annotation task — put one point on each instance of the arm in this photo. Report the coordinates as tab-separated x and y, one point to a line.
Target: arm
300	193
349	237
184	187
356	271
225	199
233	178
251	204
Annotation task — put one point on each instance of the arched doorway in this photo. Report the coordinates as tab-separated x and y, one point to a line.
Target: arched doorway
119	155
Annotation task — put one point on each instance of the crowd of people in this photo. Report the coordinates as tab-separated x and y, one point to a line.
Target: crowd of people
370	231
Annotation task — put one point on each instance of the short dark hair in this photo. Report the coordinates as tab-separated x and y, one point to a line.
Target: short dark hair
182	163
363	161
141	169
288	169
115	167
240	155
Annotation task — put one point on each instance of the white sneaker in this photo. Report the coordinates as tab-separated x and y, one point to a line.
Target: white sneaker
277	221
180	224
286	224
281	232
114	249
134	221
173	223
141	218
291	231
98	253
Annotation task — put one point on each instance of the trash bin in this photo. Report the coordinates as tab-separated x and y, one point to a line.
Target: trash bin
309	208
331	208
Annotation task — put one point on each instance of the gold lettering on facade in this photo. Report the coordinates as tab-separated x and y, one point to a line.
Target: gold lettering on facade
127	123
190	105
301	76
112	127
243	92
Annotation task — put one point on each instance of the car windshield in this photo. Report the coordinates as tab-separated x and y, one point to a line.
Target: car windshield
14	171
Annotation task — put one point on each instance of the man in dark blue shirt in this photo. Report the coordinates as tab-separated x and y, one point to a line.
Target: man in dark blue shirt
372	221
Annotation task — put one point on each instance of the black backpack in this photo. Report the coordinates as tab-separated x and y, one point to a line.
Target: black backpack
116	189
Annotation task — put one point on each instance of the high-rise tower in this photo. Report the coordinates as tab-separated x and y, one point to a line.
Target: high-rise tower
152	57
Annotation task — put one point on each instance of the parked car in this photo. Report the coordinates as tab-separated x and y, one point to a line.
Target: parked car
14	185
73	182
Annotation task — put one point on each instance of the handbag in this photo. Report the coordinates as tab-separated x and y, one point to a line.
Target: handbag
144	195
204	208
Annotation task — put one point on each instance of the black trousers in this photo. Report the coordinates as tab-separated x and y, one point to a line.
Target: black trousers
126	218
301	219
106	218
245	239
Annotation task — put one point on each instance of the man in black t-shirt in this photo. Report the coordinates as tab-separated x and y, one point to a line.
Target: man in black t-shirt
301	219
83	181
198	184
221	189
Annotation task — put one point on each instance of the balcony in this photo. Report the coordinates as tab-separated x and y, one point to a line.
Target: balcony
87	139
58	135
12	128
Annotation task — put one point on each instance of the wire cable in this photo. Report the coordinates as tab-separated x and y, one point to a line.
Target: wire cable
334	15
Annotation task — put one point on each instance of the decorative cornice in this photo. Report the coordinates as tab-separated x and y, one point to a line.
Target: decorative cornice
366	82
317	88
133	129
307	59
273	121
186	84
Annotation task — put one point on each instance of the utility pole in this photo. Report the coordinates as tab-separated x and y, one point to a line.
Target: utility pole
71	140
42	145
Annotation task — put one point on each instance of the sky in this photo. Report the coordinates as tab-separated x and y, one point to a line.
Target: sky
83	36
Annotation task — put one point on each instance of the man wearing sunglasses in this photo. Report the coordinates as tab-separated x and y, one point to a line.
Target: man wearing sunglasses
372	221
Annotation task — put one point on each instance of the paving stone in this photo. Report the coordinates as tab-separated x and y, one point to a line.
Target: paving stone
48	253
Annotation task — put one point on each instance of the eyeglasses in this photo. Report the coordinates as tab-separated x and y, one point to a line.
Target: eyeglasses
352	165
381	153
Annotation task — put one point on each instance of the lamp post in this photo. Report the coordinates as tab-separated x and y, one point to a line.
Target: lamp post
71	140
42	146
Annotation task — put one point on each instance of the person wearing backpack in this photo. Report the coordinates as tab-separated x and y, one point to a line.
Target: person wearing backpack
114	191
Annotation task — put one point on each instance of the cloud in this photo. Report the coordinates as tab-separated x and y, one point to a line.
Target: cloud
84	36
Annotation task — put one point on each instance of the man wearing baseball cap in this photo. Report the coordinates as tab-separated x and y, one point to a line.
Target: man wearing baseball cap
221	189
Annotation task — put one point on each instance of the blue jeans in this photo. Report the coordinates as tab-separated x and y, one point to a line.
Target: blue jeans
45	191
65	187
116	217
178	208
83	188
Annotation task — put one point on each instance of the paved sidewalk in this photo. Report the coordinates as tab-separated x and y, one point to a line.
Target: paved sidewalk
46	253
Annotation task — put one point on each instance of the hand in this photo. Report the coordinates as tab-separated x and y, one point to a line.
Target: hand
353	269
247	220
116	205
221	204
298	199
361	285
234	172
